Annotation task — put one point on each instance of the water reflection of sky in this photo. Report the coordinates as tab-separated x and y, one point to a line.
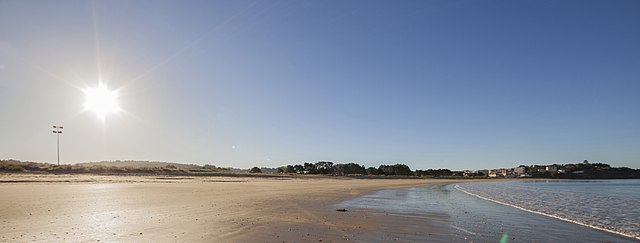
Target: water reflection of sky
477	219
602	204
617	188
410	200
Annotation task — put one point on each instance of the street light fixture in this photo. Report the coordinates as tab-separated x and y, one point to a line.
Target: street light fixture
57	130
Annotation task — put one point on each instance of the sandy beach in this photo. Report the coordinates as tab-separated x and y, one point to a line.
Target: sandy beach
179	209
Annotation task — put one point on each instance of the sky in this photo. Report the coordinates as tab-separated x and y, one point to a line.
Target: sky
431	84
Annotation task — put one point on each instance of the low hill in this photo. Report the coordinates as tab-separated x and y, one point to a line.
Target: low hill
140	164
107	167
129	167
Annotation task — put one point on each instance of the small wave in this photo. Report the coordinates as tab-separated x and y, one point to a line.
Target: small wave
463	230
634	235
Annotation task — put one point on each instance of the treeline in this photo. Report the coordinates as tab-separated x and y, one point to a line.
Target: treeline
584	170
600	173
329	168
436	173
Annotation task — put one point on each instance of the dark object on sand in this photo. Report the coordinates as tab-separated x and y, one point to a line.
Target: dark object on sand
341	209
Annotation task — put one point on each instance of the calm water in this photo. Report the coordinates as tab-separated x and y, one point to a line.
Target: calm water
471	218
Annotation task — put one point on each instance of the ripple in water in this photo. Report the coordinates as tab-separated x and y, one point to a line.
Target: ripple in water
602	210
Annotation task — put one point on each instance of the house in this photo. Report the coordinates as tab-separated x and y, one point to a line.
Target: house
493	173
500	173
480	173
539	168
551	168
520	170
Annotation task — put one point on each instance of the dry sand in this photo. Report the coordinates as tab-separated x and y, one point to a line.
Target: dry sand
176	209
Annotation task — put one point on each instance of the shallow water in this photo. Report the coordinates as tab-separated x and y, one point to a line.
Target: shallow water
605	204
473	219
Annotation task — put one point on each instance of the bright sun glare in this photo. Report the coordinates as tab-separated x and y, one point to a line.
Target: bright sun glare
101	100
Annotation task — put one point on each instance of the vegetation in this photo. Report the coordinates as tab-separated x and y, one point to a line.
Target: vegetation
372	171
255	170
33	167
121	168
434	173
350	169
397	169
329	168
584	170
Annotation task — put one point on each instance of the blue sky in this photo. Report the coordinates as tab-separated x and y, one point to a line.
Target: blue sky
432	84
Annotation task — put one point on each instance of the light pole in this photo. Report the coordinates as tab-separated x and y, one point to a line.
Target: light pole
57	130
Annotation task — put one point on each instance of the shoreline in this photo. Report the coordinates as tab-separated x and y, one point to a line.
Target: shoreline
473	218
200	209
230	209
457	187
85	177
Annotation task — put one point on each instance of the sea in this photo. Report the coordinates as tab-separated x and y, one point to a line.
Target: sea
519	210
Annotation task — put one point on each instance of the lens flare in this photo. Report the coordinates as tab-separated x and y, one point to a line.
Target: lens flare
101	100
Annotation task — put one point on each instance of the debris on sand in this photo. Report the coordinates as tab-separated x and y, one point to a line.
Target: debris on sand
341	209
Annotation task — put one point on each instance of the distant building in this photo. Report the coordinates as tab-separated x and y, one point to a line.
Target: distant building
501	173
539	168
521	170
551	168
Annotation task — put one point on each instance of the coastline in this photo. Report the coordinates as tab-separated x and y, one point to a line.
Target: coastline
232	209
470	218
148	209
457	187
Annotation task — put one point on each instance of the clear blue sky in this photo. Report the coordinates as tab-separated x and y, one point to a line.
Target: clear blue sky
433	84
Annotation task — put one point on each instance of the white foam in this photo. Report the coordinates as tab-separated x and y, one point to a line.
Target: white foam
635	236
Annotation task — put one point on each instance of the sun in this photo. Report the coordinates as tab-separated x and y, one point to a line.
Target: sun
101	100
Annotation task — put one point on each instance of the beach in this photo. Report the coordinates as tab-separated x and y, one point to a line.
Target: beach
183	209
89	208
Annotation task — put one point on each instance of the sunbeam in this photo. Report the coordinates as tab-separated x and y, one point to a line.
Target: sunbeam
188	46
96	40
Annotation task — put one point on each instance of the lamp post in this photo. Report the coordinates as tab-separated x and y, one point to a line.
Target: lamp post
57	130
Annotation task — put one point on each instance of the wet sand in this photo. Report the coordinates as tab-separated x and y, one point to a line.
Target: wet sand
211	209
471	219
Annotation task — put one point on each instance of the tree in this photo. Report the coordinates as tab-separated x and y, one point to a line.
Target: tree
402	169
397	169
289	169
372	171
434	173
600	165
298	169
255	170
324	167
350	169
310	168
